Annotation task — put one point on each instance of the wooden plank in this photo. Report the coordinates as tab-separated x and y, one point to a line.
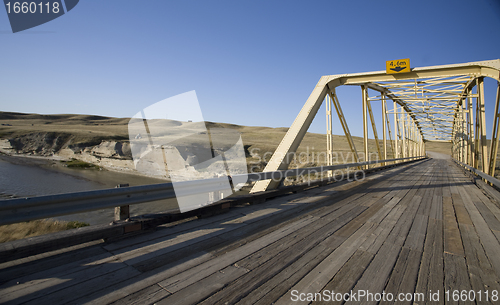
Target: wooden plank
400	231
427	197
143	296
403	277
134	256
436	210
455	269
379	269
354	225
324	271
315	232
385	259
374	214
157	259
489	210
134	284
487	238
245	215
446	187
44	288
460	211
480	271
379	235
349	274
285	253
345	202
452	239
33	265
488	216
203	288
409	281
491	206
239	214
365	195
431	272
322	274
278	249
199	248
455	274
62	271
168	230
190	276
275	287
416	237
327	211
82	288
228	230
395	227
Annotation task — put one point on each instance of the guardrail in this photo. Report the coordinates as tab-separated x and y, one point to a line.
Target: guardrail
494	181
31	208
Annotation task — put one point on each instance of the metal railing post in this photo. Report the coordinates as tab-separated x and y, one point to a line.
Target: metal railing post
122	212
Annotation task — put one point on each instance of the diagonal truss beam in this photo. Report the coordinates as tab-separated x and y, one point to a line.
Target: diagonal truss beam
345	127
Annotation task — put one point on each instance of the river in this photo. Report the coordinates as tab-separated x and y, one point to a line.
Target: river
26	177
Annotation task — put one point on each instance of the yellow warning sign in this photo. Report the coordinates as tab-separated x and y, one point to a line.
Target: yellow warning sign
397	66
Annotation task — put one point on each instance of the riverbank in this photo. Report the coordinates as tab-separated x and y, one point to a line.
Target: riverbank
108	178
35	176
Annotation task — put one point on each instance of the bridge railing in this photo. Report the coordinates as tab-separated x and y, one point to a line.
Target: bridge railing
494	181
40	207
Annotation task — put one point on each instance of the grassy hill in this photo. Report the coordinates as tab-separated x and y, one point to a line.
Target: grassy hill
89	130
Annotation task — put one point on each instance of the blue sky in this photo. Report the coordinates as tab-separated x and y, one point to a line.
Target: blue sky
250	62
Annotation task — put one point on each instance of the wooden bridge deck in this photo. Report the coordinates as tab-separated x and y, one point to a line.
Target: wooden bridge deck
415	228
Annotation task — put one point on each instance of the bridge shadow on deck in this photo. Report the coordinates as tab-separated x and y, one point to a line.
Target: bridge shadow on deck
340	236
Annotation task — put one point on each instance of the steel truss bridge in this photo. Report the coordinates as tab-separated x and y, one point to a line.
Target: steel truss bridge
421	230
438	103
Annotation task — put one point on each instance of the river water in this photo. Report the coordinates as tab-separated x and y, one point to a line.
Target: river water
26	177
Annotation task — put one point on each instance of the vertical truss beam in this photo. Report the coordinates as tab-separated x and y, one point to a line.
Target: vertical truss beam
455	135
374	128
477	136
403	134
462	133
388	124
365	123
329	135
466	131
384	127
470	131
396	131
414	139
482	125
494	135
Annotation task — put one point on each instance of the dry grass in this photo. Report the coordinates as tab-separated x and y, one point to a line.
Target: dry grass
34	228
91	130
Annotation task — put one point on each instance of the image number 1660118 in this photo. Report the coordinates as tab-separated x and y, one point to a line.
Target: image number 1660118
32	7
25	15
